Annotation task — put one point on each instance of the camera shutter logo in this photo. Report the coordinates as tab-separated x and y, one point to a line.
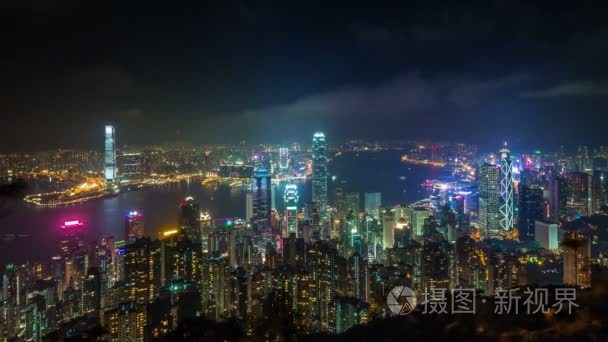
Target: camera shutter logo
403	306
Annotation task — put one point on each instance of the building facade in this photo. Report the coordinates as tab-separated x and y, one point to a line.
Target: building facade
489	200
110	154
319	172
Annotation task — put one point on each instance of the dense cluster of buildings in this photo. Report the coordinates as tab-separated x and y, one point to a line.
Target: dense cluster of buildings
317	267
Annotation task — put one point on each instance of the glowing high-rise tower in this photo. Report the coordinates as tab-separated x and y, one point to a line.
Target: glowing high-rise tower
134	226
489	200
110	155
506	190
291	207
319	171
283	158
262	194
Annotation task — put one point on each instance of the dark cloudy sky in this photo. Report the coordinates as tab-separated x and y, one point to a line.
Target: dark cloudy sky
530	72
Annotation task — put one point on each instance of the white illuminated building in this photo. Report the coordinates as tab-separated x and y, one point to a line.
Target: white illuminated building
291	207
110	155
506	190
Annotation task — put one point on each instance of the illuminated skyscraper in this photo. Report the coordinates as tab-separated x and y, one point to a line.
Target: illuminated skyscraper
189	223
130	166
579	201
91	293
179	258
546	233
262	194
142	270
11	294
134	226
283	158
489	200
418	216
347	204
110	155
206	230
273	196
255	301
294	288
373	201
558	197
213	286
73	237
599	190
506	190
126	322
576	254
291	207
118	260
583	162
248	206
359	272
35	318
319	171
340	198
321	257
388	229
105	257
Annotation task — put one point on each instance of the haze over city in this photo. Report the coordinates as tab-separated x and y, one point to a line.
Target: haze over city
272	71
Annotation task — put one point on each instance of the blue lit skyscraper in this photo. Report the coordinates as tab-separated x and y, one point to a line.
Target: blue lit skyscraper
506	190
319	171
110	155
262	194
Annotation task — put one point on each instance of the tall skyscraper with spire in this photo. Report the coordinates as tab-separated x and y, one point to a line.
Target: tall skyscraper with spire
506	189
109	154
319	172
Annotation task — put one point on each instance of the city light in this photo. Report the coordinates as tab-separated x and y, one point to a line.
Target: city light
270	171
454	220
72	223
169	232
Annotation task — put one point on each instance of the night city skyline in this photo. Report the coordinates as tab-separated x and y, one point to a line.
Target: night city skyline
302	171
228	72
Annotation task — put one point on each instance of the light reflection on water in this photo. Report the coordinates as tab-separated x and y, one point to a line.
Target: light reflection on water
368	172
